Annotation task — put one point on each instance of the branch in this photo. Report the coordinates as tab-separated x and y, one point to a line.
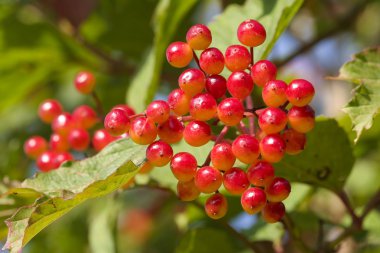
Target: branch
356	220
295	234
372	204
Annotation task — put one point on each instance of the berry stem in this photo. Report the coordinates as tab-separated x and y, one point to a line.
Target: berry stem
242	128
185	118
251	120
195	56
98	102
218	139
137	116
252	55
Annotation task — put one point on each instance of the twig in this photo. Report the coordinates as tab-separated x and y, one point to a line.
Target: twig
295	234
372	203
98	103
356	220
218	139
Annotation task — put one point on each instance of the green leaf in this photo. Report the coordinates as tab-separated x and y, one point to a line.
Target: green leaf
364	71
70	185
326	161
274	15
205	240
169	14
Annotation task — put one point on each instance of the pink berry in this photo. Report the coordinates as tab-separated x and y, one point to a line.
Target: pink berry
159	153
179	54
302	119
295	141
63	124
84	82
192	81
203	107
216	85
184	166
272	148
216	206
262	72
253	200
85	117
62	157
211	61
179	102
237	58
79	139
235	181
273	212
126	108
49	110
171	131
197	133
239	84
199	37
208	179
117	122
300	92
251	33
187	191
143	131
47	161
222	157
260	174
230	111
246	148
274	93
59	143
272	120
101	139
278	190
158	111
35	146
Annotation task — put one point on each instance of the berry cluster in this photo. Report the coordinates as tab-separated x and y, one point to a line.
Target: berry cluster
202	102
71	131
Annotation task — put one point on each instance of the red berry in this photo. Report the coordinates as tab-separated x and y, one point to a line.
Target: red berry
230	111
216	206
199	37
179	54
184	166
49	110
35	146
79	139
62	157
272	148
47	161
145	168
197	133
262	72
302	119
278	190
295	141
273	212
158	111
192	81
208	179
237	58
84	82
101	139
246	148
274	93
253	200
117	122
251	33
179	102
211	61
143	131
59	142
235	181
127	109
216	85
203	107
187	191
300	92
63	123
260	174
171	131
159	153
222	157
272	120
85	117
239	84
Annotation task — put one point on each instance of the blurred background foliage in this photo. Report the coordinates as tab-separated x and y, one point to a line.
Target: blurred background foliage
44	43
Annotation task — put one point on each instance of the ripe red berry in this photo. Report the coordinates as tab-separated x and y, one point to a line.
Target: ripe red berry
239	84
143	131
158	111
251	33
184	166
145	168
262	72
117	122
101	139
278	190
159	153
199	37
171	131
192	81
274	93
216	206
235	181
208	179
211	61
300	92
272	120
179	102
272	148
179	54
85	117
126	108
237	58
63	123
253	200
79	139
246	148
197	133
62	157
47	161
203	107
260	174
295	141
49	110
302	119
59	142
273	212
230	111
216	85
35	146
187	191
84	82
222	157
